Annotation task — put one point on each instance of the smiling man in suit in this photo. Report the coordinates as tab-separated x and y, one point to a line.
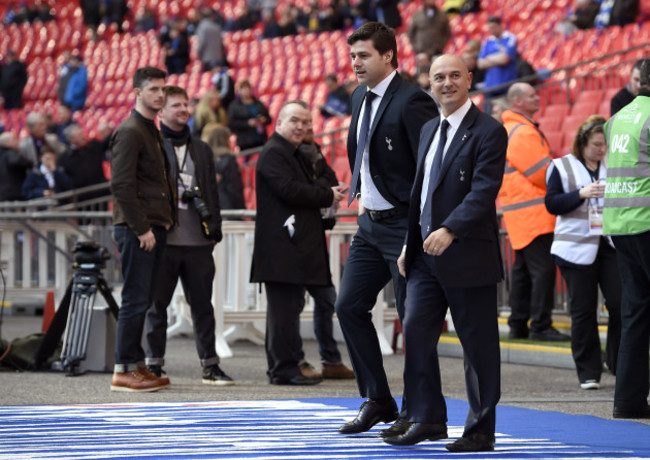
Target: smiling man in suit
452	259
387	114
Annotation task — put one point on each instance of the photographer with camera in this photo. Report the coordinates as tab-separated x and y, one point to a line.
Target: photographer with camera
188	255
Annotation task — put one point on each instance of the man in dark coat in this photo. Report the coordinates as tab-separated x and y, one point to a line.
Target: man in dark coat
13	81
13	168
290	250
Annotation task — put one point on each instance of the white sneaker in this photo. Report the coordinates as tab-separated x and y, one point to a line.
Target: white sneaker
590	385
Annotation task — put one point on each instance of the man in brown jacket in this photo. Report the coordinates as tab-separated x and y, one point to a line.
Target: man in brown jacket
144	208
429	30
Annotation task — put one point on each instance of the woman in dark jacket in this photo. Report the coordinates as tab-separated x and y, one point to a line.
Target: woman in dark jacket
231	186
248	118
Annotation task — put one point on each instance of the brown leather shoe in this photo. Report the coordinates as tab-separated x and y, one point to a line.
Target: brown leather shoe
308	371
337	371
162	378
136	381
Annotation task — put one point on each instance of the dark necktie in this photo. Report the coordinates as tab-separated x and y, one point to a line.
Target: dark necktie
436	164
363	139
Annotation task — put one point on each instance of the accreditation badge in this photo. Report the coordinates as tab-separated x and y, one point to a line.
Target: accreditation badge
595	220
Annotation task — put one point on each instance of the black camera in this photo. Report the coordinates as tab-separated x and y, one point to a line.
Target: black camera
88	254
194	196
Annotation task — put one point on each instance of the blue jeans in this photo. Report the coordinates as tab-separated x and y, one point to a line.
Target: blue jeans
324	299
139	270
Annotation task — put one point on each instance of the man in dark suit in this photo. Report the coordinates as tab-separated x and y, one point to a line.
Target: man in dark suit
290	252
387	114
452	259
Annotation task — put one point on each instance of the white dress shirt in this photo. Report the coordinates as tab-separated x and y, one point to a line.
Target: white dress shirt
371	198
455	119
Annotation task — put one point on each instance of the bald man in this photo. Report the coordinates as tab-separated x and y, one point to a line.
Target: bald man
290	252
452	260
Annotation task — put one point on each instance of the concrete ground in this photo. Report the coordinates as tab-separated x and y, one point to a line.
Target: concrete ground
535	387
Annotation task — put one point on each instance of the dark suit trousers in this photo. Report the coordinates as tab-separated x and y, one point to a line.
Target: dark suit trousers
632	369
474	312
371	263
532	286
582	286
194	266
283	342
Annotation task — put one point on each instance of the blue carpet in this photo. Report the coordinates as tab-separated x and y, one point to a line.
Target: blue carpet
289	429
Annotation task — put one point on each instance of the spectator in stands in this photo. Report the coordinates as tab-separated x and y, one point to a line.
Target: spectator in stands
498	107
470	57
47	179
530	227
331	18
13	78
582	16
15	14
92	11
84	162
188	252
231	186
422	63
224	84
385	11
269	24
286	24
208	111
40	11
629	92
177	48
13	168
498	57
429	30
64	75
64	119
290	252
624	12
116	12
146	20
211	51
77	86
247	20
587	259
338	100
31	146
248	118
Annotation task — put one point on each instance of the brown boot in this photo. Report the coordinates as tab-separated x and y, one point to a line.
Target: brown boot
308	371
337	371
136	381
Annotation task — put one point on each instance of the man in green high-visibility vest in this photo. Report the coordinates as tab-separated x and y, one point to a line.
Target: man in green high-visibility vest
626	217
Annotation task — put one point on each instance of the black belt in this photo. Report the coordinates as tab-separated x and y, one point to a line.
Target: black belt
376	216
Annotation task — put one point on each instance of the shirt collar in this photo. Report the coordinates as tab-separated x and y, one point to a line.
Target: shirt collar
456	118
382	86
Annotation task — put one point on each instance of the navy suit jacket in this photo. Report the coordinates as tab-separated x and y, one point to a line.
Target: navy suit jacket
393	139
464	201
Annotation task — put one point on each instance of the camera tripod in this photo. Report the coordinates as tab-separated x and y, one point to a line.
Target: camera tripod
74	315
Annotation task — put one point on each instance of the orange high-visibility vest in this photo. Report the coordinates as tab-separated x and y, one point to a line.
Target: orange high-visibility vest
524	181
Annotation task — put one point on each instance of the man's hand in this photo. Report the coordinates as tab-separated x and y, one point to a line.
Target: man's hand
437	242
339	193
401	262
147	241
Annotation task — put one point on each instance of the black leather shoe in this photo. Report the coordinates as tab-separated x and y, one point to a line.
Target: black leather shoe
549	335
642	412
296	380
419	432
518	333
476	442
399	427
371	413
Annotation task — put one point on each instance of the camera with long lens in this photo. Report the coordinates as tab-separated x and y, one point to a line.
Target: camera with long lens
193	195
90	255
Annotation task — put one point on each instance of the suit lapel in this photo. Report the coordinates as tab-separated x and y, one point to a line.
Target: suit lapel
462	136
423	148
356	113
385	100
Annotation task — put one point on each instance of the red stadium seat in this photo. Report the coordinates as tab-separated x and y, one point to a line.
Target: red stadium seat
555	139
